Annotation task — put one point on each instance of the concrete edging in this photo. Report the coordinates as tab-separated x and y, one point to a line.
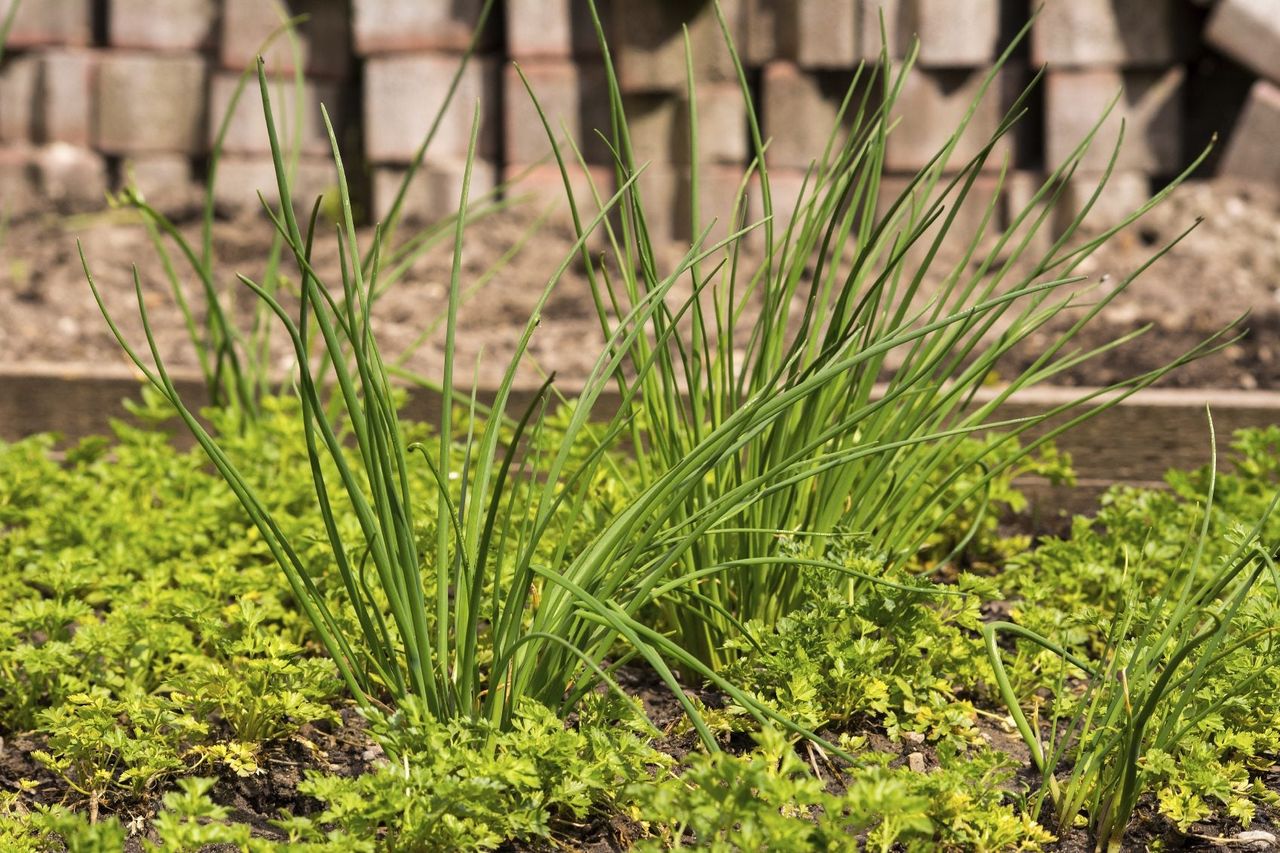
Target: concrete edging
1134	442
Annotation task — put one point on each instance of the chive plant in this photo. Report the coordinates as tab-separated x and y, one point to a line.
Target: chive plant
1146	692
5	26
496	606
494	609
837	305
235	363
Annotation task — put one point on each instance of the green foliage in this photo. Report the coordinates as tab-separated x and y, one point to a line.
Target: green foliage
1157	641
464	786
149	635
190	820
893	656
976	496
422	628
800	515
258	698
844	388
53	824
100	746
769	800
897	652
139	670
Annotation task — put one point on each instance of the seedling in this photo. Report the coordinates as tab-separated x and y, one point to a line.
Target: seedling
870	378
1142	698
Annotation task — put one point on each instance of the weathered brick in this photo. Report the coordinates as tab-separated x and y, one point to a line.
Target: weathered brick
1150	107
65	96
760	31
247	129
931	106
569	96
956	33
241	177
435	191
718	187
659	190
386	26
785	186
969	225
799	112
651	123
1253	149
74	179
1117	33
164	180
1249	32
722	125
1124	193
19	85
648	44
178	25
553	29
820	33
897	33
404	93
19	191
324	38
1019	198
150	102
544	185
50	22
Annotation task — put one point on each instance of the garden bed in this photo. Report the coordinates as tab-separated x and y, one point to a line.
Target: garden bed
943	745
1134	443
765	603
1227	267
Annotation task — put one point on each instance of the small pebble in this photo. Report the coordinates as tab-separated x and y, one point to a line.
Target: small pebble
1257	839
916	762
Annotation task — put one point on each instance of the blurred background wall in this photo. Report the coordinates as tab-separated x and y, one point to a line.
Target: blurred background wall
94	93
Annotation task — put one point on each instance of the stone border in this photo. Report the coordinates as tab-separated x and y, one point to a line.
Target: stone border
95	91
1135	442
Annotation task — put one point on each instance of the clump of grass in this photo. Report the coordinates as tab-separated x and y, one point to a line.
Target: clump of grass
870	380
495	610
1146	694
789	437
235	362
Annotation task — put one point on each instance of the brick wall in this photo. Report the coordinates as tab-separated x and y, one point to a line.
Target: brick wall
97	92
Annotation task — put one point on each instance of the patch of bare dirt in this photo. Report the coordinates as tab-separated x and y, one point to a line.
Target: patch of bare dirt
1225	268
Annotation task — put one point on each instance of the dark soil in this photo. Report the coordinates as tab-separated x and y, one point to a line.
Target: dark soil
1227	267
346	749
343	750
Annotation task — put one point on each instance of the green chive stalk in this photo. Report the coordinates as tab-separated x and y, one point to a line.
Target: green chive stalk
235	363
836	304
492	608
1143	694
